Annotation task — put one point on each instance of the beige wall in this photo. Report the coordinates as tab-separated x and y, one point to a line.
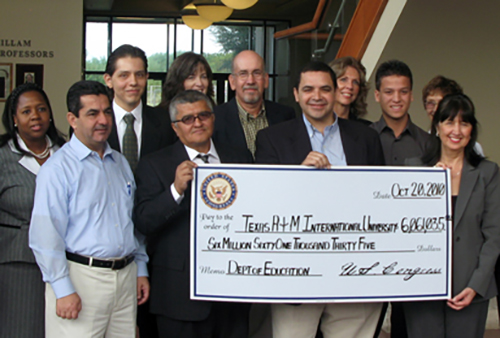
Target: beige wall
53	26
457	39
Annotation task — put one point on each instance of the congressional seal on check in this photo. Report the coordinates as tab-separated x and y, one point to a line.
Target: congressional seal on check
294	234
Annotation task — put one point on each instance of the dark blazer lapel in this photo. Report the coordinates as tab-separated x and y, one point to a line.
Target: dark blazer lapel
150	135
349	143
299	139
467	182
113	137
180	152
274	113
234	127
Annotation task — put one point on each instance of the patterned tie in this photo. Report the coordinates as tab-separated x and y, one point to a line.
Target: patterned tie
204	158
129	144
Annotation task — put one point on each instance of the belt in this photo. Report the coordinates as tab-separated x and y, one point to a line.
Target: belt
114	264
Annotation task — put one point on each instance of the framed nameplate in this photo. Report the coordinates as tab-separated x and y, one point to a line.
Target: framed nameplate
285	234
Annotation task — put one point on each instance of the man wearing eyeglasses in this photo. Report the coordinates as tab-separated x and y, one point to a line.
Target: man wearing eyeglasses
239	120
162	212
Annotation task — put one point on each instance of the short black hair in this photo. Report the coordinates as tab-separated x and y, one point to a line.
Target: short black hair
392	67
125	51
316	66
82	88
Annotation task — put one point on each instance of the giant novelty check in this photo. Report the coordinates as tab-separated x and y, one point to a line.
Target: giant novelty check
293	234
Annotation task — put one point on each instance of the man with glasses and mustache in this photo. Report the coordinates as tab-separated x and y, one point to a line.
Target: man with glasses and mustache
239	120
162	212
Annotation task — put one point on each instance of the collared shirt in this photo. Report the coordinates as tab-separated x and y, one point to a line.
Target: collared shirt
412	142
121	125
251	125
329	142
213	157
29	162
83	204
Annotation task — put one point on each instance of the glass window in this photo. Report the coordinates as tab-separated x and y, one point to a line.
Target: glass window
95	77
96	46
163	38
184	39
154	92
151	38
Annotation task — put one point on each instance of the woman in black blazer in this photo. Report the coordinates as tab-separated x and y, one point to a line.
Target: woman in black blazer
30	138
475	186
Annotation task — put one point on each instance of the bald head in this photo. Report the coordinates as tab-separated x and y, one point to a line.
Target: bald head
247	56
249	78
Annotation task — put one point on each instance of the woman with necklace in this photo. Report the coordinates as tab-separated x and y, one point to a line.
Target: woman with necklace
30	138
475	187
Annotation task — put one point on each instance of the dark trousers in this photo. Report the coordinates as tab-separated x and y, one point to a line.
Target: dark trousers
398	321
226	320
435	319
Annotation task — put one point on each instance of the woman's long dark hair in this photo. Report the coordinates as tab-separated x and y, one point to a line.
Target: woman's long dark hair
10	110
183	66
450	107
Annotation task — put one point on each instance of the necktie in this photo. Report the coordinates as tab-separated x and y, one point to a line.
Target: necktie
129	144
204	158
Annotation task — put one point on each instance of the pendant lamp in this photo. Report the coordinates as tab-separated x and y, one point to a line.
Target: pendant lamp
192	19
239	4
213	11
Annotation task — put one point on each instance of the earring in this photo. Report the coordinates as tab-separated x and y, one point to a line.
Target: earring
15	125
437	133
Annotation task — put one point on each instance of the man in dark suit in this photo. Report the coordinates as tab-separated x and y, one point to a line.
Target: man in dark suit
238	121
162	212
137	129
320	139
126	74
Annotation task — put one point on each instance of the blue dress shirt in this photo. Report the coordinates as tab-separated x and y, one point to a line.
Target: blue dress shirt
328	143
83	204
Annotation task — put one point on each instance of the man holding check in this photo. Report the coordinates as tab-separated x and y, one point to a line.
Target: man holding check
319	138
162	212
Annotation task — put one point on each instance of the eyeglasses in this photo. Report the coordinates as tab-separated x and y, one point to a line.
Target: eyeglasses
189	119
257	74
430	104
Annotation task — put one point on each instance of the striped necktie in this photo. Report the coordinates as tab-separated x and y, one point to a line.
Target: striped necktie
129	144
204	157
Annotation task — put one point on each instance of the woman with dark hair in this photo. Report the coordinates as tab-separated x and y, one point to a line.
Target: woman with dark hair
188	71
30	139
352	89
475	187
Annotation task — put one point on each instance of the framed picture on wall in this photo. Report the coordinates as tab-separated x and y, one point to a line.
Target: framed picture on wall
5	80
29	73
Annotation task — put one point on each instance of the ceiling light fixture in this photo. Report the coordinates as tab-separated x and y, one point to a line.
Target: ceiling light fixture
213	11
192	19
239	4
